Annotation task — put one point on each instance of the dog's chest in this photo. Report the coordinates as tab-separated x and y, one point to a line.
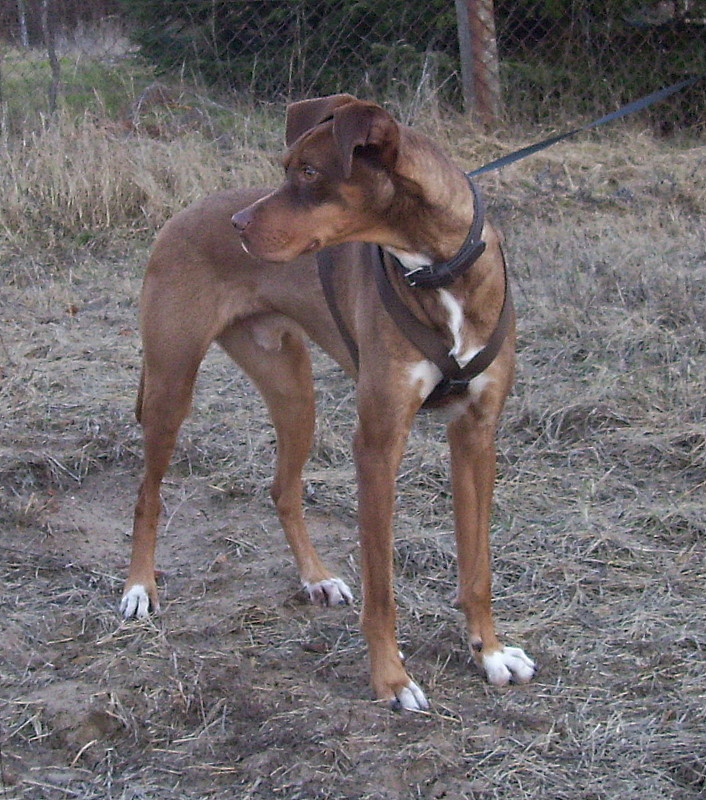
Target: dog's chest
425	375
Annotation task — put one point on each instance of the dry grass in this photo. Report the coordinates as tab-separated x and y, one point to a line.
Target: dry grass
240	689
82	178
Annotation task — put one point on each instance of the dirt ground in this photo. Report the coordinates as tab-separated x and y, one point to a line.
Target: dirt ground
239	689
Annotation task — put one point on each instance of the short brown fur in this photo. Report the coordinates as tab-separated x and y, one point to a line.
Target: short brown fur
353	175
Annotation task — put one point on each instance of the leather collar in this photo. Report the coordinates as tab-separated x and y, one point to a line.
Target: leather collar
443	273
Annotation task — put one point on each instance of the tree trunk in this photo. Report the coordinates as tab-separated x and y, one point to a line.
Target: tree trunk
22	19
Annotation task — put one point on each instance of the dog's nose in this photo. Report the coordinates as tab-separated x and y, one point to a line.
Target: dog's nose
241	220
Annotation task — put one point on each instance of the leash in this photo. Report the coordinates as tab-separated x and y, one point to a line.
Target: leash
629	108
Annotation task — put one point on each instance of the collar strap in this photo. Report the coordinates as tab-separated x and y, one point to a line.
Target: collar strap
442	273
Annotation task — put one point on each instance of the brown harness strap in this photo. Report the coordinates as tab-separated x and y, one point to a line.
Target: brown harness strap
455	379
327	265
422	336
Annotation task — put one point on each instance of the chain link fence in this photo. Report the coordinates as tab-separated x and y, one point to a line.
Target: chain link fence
582	59
515	61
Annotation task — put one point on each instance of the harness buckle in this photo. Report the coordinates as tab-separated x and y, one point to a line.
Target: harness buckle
446	387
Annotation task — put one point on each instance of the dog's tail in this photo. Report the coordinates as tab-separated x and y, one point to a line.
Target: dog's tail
140	395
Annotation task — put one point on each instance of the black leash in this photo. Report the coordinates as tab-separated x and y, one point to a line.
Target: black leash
635	105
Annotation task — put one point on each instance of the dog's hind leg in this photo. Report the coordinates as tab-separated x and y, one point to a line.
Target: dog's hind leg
271	352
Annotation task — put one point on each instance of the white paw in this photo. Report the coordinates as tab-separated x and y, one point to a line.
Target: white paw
410	698
329	592
508	664
136	602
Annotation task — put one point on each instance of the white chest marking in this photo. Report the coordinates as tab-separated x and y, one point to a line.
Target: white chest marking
426	375
455	311
410	261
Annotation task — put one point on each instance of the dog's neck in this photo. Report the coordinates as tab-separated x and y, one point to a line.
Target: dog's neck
438	195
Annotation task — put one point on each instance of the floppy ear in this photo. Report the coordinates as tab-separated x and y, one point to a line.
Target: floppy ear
362	124
307	114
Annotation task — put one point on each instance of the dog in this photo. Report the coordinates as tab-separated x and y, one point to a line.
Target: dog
242	268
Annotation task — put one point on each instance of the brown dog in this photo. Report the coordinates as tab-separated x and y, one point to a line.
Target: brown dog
353	175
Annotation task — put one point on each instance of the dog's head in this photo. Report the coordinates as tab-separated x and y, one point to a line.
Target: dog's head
339	166
355	125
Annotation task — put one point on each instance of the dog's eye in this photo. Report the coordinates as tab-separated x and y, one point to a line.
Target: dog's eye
308	172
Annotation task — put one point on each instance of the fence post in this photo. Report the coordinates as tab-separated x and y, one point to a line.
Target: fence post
480	73
48	28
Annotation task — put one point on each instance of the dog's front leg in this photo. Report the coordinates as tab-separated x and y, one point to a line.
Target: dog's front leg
473	463
378	447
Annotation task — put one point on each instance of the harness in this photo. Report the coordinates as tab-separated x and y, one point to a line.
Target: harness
455	378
